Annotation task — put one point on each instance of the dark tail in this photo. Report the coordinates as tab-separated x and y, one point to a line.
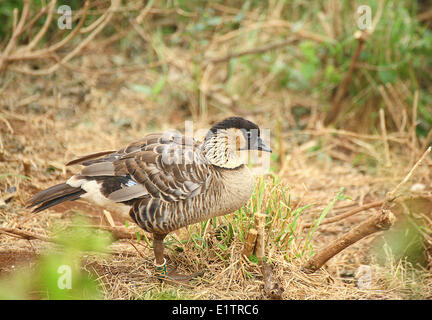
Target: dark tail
53	196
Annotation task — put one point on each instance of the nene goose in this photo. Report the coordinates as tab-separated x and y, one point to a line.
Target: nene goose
166	181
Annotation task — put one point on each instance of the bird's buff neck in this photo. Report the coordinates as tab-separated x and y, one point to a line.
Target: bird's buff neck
220	151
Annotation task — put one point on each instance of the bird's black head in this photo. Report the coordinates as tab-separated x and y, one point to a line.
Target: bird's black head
250	132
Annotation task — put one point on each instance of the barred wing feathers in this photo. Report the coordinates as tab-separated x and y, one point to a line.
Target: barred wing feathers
169	167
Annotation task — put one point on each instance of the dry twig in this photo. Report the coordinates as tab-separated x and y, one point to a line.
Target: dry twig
259	225
385	139
382	220
117	232
347	214
12	53
342	89
18	233
261	49
250	241
378	222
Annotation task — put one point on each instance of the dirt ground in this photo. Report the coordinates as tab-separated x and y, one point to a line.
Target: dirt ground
47	121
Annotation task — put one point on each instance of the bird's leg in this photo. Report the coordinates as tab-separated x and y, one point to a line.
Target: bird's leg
160	263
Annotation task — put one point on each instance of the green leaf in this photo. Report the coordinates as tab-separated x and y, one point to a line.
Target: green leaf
331	74
253	259
239	17
309	51
214	21
327	210
159	86
222	246
387	76
142	89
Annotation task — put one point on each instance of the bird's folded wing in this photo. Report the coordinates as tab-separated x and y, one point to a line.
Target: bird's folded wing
166	166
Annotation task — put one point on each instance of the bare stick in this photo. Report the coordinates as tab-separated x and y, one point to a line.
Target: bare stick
117	232
36	17
139	30
73	33
253	51
389	103
82	44
24	234
427	141
384	133
341	92
274	24
17	32
28	52
50	50
391	195
259	225
414	125
15	20
324	131
382	220
144	12
378	222
250	241
44	29
136	249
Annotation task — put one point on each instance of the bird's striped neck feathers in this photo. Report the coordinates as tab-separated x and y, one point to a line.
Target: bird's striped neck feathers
222	148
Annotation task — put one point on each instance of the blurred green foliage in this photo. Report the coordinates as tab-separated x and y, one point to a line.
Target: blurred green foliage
7	7
403	241
57	273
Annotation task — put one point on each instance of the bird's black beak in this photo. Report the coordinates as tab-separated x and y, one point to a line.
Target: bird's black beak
254	141
262	146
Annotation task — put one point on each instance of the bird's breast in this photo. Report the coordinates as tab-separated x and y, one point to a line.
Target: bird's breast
237	188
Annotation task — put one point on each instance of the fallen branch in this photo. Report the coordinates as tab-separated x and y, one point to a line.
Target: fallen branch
118	233
382	220
18	233
378	222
